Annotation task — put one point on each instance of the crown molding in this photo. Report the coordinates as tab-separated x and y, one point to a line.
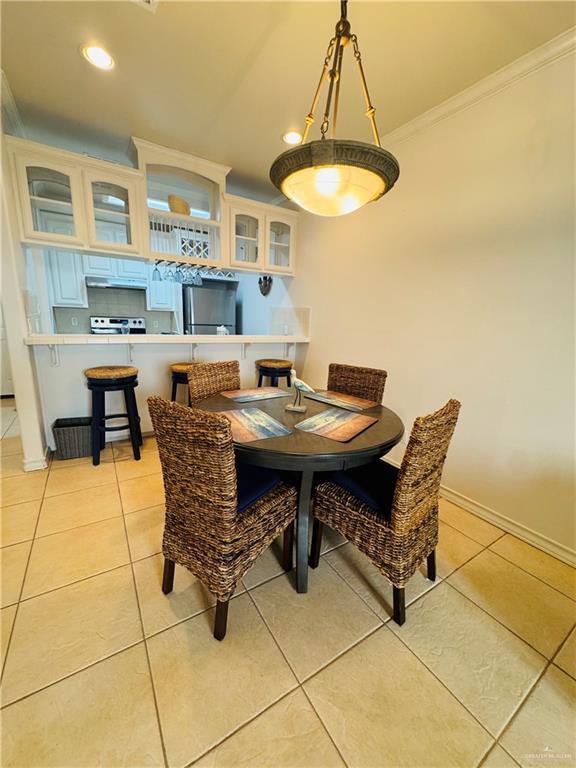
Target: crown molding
11	120
541	57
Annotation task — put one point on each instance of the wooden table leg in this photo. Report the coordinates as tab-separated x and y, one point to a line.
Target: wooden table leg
303	521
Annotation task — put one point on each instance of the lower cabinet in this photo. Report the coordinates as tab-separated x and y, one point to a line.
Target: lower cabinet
66	275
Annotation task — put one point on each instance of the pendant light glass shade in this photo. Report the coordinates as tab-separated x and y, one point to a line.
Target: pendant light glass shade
333	177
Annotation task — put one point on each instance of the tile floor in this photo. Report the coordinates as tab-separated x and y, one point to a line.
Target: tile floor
100	668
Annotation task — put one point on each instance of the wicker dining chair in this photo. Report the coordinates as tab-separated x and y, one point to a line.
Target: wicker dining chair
219	517
207	379
355	380
391	515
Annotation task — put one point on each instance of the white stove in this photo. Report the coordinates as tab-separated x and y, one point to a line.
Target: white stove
117	325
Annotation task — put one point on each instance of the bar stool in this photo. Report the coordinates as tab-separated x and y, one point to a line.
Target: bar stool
274	369
113	378
180	376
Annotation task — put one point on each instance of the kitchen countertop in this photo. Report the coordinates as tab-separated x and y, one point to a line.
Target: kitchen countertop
48	339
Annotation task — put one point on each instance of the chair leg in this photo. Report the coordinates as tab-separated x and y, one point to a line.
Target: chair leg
288	548
288	381
431	565
168	576
260	379
132	411
399	605
174	390
221	619
317	530
97	425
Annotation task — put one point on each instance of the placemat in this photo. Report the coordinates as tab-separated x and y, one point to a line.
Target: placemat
337	424
251	395
253	424
340	400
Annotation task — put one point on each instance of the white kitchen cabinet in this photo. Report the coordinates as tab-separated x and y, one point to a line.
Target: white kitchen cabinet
99	266
262	237
66	277
280	242
132	268
163	295
112	210
51	200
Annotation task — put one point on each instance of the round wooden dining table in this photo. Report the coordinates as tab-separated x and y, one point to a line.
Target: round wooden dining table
306	453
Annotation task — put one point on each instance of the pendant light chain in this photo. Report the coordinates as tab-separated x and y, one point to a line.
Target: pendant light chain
369	108
334	56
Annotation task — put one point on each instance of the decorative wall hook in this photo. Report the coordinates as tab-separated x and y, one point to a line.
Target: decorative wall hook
265	284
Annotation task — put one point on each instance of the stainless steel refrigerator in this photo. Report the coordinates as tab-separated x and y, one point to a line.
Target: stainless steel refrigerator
208	306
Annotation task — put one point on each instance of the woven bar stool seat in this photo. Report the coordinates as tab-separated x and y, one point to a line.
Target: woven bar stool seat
111	372
274	368
179	373
113	378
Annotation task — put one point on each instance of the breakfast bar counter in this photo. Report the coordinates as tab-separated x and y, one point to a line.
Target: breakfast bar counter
61	359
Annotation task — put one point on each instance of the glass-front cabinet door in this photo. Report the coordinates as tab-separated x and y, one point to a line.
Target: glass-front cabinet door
280	243
51	200
246	238
112	212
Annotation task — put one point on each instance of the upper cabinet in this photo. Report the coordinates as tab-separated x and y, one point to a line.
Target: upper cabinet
262	237
51	201
174	207
112	202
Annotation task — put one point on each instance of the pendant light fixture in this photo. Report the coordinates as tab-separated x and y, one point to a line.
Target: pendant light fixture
330	176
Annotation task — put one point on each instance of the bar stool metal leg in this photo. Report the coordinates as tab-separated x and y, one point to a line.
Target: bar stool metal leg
132	411
97	425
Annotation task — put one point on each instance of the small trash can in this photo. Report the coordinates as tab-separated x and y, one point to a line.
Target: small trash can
72	437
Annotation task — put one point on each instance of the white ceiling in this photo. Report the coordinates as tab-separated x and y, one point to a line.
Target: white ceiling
225	80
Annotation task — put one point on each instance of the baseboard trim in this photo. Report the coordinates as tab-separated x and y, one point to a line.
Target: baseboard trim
530	536
36	464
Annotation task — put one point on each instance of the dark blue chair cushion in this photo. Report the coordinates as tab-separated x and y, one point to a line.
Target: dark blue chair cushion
253	483
372	483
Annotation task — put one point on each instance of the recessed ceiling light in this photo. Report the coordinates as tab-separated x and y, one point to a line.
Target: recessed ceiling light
98	56
292	137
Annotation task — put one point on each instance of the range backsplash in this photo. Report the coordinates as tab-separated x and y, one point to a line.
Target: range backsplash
112	302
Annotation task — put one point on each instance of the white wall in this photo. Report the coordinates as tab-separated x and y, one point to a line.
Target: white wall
460	283
255	308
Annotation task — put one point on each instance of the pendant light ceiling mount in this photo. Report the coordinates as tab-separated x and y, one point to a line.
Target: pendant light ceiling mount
330	176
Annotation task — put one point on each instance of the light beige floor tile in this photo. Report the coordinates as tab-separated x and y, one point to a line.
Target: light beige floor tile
206	689
554	572
474	527
80	477
544	731
149	464
11	465
314	628
331	539
160	611
145	529
566	658
105	456
498	758
69	510
122	449
453	550
485	666
10	445
141	493
288	735
12	568
63	631
7	619
19	522
266	566
367	581
383	708
539	614
63	558
102	716
13	430
28	487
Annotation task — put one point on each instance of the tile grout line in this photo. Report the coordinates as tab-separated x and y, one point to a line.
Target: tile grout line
301	684
520	568
8	644
139	607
